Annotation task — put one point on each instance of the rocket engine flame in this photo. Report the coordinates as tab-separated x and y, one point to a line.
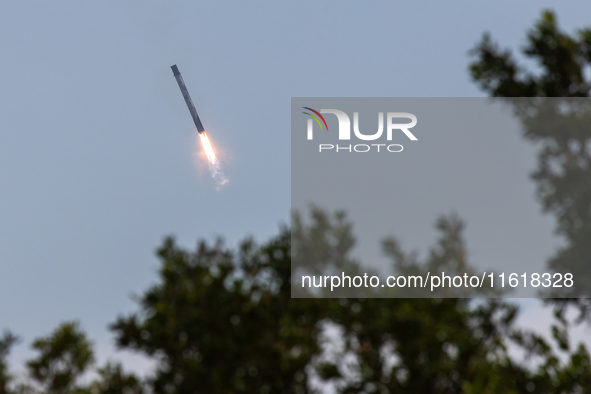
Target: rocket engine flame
214	166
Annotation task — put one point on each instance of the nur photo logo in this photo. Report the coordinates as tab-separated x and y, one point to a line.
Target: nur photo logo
393	125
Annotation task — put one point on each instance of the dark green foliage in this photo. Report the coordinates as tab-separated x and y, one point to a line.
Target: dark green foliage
6	343
221	321
322	245
63	357
563	176
449	255
562	60
113	380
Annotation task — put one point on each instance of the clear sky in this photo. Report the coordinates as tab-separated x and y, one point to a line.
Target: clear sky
98	151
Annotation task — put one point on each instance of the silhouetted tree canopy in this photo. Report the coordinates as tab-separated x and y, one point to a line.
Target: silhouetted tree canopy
563	176
223	320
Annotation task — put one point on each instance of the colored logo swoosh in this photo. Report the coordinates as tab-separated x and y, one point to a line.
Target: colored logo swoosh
315	118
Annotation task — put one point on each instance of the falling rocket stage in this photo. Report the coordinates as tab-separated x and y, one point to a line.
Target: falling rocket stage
214	166
187	96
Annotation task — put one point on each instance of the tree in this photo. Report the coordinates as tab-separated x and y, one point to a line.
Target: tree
63	357
223	321
113	380
8	339
564	159
562	60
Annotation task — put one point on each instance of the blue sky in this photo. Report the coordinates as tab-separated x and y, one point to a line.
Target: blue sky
98	151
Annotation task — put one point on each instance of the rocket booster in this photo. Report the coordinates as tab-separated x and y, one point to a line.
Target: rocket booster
188	100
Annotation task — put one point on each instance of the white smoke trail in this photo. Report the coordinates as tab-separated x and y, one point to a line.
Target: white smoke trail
217	174
215	168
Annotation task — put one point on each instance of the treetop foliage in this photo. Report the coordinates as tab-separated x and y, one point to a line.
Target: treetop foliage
223	320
